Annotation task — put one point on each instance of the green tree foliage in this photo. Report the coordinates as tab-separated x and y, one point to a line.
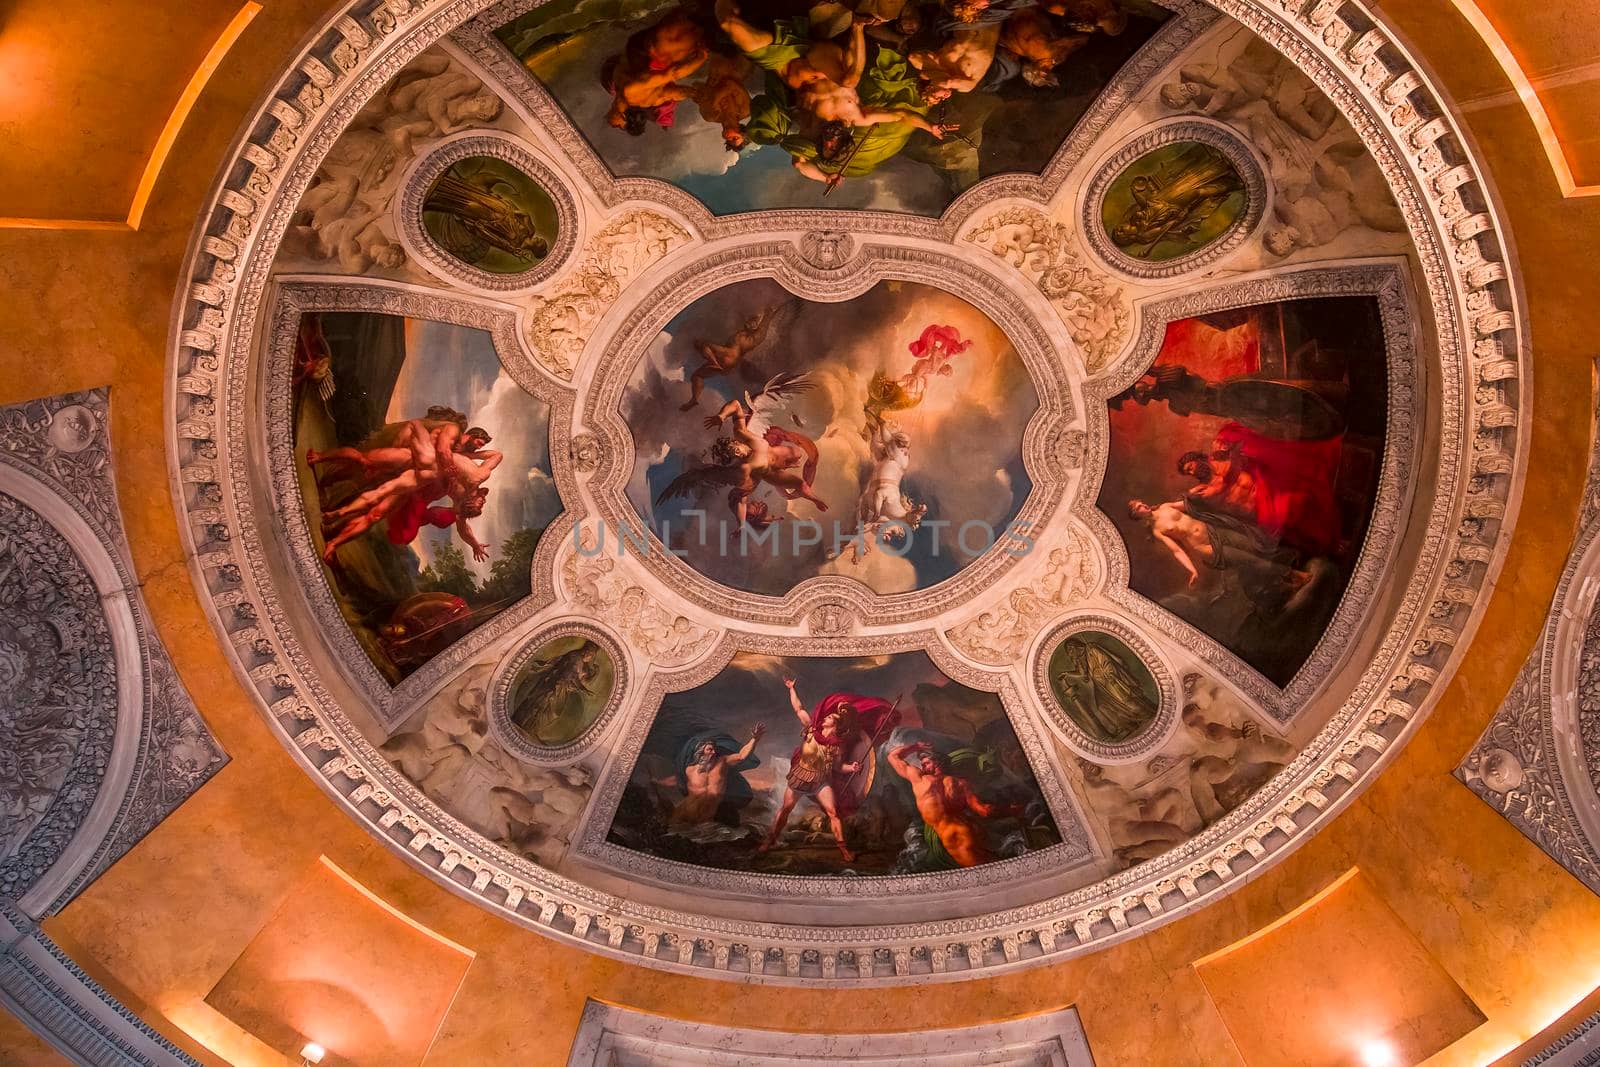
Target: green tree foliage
448	573
510	576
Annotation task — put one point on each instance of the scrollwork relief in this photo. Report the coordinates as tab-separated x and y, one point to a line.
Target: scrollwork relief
1001	634
1343	50
557	326
1094	307
595	584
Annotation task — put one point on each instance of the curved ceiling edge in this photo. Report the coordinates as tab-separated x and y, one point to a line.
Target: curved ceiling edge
1344	49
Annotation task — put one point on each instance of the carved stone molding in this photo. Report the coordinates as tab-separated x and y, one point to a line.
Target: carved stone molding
54	998
98	740
1475	421
610	1036
1578	1047
1538	761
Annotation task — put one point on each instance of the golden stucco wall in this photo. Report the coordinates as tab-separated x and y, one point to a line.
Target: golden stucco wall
86	308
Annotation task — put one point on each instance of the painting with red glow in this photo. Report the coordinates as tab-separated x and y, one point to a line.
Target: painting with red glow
1244	467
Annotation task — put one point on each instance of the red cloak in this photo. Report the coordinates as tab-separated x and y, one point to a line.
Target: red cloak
874	720
953	344
777	435
407	520
1294	486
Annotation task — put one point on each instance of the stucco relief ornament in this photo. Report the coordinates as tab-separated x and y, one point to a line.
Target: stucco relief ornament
71	429
559	325
1094	307
1071	446
827	249
595	586
587	452
830	619
58	698
1000	634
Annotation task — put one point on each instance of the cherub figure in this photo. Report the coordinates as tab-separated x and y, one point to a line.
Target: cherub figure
643	79
932	353
746	459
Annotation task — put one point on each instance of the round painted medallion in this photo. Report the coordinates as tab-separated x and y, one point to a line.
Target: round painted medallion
490	215
1103	686
1173	201
560	690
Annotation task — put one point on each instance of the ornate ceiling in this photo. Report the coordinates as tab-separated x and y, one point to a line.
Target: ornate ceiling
942	540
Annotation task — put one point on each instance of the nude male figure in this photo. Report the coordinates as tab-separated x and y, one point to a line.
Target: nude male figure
958	64
825	75
705	781
1224	485
946	803
433	474
389	460
758	460
721	359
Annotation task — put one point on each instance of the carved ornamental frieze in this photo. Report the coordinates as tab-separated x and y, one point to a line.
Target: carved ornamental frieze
828	552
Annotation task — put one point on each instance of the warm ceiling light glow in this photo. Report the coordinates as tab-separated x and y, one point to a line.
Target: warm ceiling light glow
312	1053
1378	1054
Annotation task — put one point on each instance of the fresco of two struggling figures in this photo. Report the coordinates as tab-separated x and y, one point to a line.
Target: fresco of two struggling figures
1244	467
425	476
811	766
887	104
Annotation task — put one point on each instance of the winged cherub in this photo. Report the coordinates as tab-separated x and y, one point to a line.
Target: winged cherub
751	456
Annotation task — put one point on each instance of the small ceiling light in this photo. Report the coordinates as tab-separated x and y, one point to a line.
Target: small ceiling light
312	1053
1378	1054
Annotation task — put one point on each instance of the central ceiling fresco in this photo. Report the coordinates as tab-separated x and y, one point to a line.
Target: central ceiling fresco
775	469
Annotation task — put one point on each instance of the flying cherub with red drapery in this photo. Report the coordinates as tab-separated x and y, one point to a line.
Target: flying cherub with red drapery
932	353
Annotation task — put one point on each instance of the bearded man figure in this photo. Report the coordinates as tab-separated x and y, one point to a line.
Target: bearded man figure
947	803
711	773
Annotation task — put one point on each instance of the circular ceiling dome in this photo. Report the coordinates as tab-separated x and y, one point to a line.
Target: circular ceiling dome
842	495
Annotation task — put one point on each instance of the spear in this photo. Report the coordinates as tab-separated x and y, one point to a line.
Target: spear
855	146
875	741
